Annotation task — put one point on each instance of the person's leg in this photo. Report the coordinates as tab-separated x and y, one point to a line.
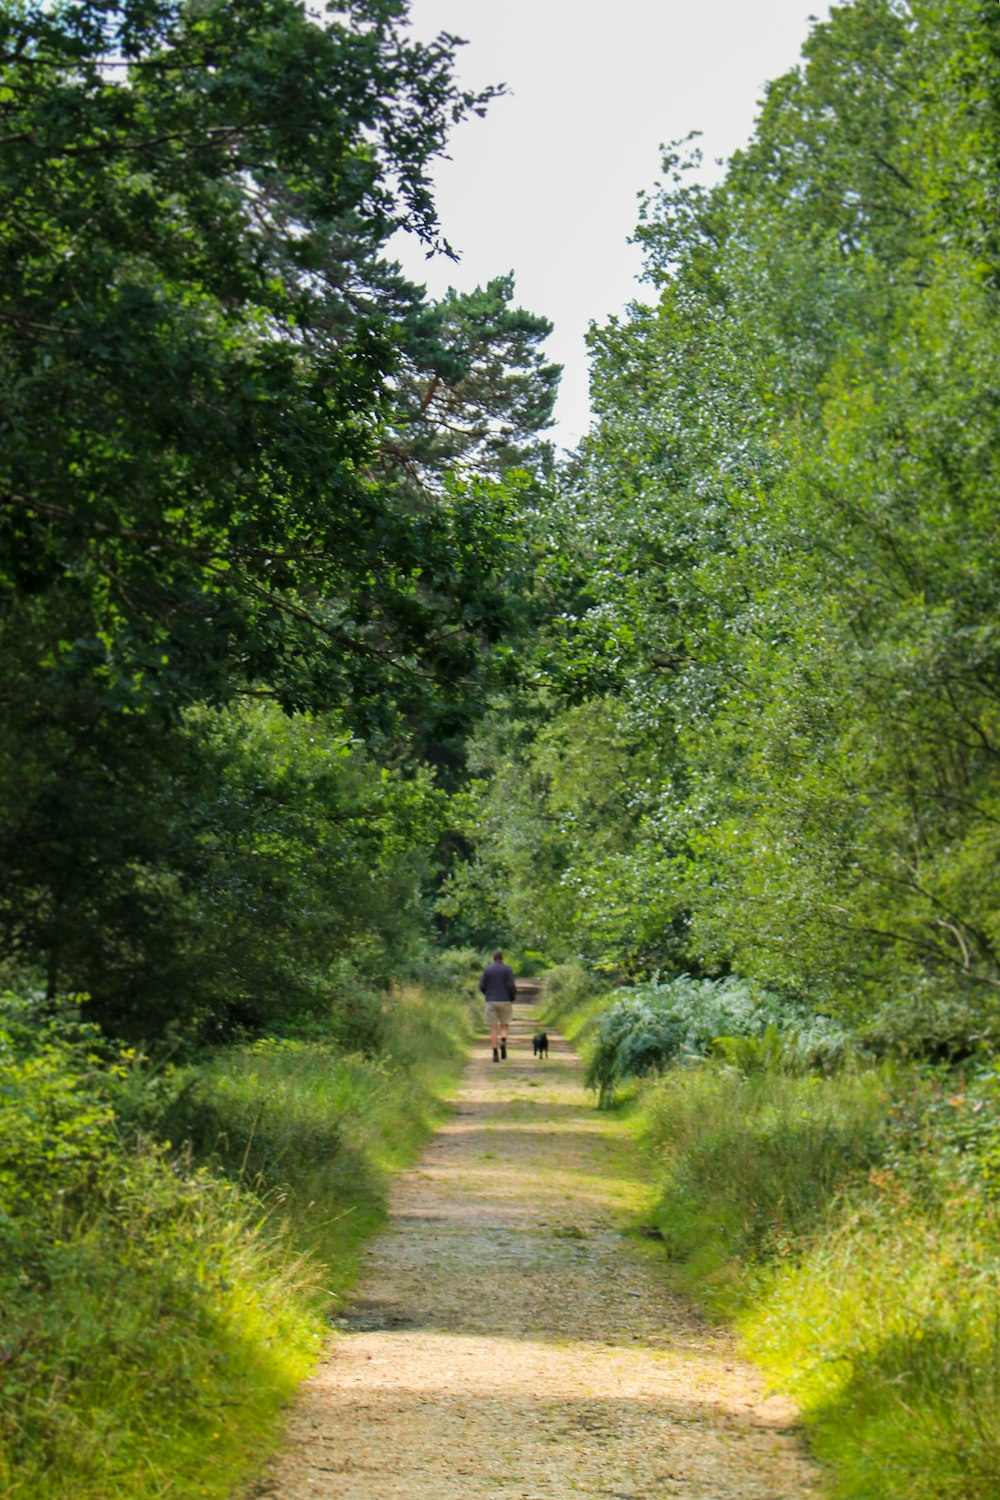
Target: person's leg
493	1022
504	1012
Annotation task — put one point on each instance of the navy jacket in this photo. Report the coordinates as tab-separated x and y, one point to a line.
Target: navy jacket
497	982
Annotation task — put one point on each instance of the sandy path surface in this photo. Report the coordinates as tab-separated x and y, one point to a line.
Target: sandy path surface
508	1341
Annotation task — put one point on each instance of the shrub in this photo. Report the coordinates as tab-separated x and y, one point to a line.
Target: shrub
572	984
663	1020
447	967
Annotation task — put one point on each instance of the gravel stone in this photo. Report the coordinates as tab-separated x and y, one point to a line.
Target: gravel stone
512	1336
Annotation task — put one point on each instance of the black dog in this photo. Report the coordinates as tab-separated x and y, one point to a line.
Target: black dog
540	1044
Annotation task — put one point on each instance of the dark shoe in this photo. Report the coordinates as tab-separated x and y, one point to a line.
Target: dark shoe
496	1055
503	1050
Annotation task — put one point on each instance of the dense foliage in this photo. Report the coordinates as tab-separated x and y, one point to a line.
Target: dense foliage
244	461
198	338
684	1019
770	741
130	1287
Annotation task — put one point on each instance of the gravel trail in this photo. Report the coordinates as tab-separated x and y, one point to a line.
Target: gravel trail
507	1340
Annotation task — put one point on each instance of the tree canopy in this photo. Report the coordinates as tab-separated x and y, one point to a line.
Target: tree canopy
200	341
784	594
225	478
717	694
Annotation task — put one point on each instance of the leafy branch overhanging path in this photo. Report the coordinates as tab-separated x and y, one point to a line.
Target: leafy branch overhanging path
507	1341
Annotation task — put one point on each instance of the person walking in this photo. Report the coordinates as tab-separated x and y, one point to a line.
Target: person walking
498	987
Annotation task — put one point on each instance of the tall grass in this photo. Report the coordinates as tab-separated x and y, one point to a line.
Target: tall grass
146	1319
747	1165
320	1130
159	1303
146	1338
850	1225
888	1334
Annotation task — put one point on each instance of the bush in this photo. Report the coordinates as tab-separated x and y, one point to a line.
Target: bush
447	968
927	1017
571	984
658	1022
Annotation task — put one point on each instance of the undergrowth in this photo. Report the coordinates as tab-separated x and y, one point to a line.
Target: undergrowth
663	1019
322	1128
849	1224
159	1302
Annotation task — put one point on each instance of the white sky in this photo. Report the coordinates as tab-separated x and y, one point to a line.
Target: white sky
547	184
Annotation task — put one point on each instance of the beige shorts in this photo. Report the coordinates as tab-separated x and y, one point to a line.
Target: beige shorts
498	1012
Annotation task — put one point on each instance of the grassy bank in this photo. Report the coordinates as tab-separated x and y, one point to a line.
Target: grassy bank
848	1222
159	1302
748	1167
849	1226
319	1130
886	1326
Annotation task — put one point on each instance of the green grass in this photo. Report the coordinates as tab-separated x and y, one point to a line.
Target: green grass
159	1305
887	1335
147	1339
746	1166
323	1130
850	1226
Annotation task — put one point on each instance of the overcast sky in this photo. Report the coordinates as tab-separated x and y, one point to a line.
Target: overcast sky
547	184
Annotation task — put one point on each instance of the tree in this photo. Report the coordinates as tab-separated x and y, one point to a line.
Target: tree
205	357
197	344
785	535
475	391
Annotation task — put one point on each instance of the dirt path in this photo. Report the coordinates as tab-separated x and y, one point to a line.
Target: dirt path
507	1341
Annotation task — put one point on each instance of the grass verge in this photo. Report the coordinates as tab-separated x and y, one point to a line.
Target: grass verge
849	1226
320	1130
848	1223
160	1303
